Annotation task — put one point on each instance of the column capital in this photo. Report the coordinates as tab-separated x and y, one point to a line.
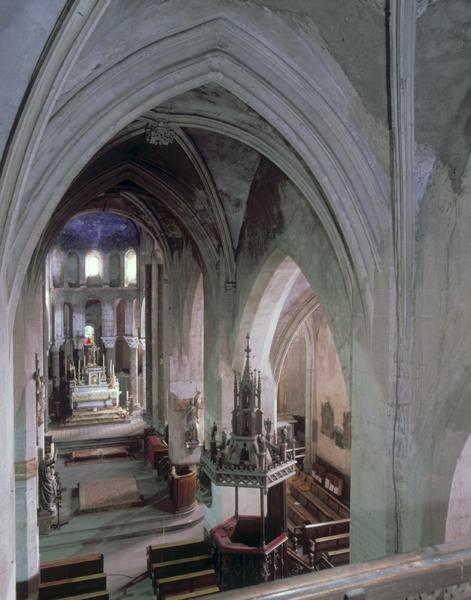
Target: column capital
131	341
56	344
109	342
142	343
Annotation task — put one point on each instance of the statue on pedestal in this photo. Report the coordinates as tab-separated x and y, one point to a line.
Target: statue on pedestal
47	485
192	421
223	439
40	395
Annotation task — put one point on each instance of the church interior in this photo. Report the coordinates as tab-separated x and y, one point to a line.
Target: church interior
234	266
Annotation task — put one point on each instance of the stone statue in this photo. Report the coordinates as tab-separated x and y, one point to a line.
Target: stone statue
214	429
223	439
268	424
284	444
40	395
47	485
192	420
262	446
284	435
71	370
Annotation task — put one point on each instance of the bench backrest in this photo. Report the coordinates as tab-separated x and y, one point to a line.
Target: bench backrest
187	582
165	552
180	566
76	566
72	587
104	595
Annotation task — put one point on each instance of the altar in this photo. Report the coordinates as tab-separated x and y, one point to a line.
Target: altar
91	389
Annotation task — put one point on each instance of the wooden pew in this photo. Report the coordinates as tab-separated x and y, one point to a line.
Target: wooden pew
298	513
180	566
89	596
323	505
331	542
206	591
72	587
76	566
339	557
316	507
165	552
188	582
308	533
334	503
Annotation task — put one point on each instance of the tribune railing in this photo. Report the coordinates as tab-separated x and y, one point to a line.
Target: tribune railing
440	572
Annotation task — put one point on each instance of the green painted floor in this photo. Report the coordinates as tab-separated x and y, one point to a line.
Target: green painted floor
121	535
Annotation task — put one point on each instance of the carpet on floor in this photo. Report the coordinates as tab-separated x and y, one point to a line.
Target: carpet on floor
108	494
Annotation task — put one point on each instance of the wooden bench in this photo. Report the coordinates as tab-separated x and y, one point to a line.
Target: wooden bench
206	591
308	533
89	596
316	508
188	582
72	586
339	557
331	542
167	552
329	499
324	505
55	570
297	513
180	566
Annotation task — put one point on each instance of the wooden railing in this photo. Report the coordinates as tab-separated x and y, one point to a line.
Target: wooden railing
444	569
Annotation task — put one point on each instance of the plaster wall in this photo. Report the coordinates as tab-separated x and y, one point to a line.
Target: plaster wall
295	377
330	387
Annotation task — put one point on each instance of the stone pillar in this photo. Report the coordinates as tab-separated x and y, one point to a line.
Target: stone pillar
162	366
154	342
147	355
107	320
55	357
78	349
142	343
105	278
110	351
133	343
79	330
82	280
58	321
27	347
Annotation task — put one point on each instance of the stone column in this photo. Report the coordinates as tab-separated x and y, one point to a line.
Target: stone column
162	384
55	356
82	280
78	349
147	354
107	319
110	351
142	343
133	343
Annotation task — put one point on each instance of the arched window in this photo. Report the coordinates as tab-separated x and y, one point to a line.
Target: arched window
92	265
130	268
